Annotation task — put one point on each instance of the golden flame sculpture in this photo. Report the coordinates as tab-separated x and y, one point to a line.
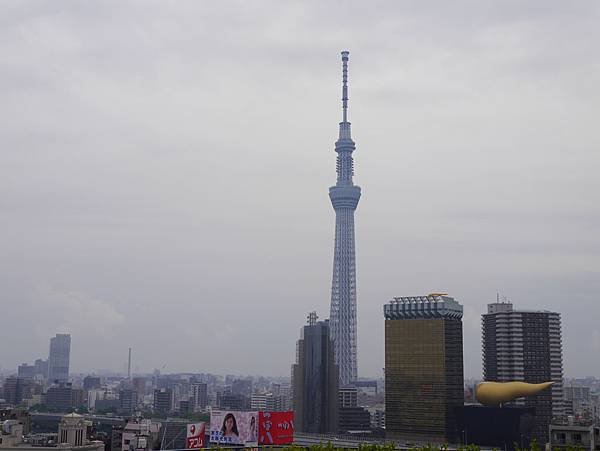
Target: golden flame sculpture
495	393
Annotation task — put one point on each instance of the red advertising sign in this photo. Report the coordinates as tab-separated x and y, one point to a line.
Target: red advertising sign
275	428
196	433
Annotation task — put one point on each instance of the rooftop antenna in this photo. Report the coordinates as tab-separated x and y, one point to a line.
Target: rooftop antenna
312	318
129	366
345	54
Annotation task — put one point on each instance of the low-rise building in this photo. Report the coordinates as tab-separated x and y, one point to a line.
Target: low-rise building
138	435
21	415
378	418
354	420
62	397
348	397
574	433
71	437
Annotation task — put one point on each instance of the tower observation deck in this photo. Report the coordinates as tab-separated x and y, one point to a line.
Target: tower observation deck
344	199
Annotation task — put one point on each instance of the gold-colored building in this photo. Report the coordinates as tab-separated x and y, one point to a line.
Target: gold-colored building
423	368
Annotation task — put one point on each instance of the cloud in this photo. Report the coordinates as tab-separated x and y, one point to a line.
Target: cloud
165	167
595	340
76	312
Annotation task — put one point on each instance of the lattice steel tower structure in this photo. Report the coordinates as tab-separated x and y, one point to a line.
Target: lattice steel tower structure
344	198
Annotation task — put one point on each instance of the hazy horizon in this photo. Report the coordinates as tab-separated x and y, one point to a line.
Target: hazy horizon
165	168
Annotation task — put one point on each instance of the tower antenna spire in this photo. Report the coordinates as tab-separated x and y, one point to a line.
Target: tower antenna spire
345	54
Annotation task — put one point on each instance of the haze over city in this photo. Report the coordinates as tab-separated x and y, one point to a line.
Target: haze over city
164	173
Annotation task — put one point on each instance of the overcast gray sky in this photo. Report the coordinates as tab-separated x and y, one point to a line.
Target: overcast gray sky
164	169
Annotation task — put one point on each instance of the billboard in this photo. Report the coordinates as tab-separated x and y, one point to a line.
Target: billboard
275	428
196	433
233	427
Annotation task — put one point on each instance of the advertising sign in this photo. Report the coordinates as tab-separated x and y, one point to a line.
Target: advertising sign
275	428
233	427
195	435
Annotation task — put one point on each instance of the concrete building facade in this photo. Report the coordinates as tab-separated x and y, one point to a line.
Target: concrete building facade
526	346
199	396
574	434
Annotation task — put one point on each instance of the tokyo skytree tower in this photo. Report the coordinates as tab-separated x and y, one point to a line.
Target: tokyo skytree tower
344	198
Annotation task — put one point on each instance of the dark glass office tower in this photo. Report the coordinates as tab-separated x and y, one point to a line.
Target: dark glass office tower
423	368
315	380
59	357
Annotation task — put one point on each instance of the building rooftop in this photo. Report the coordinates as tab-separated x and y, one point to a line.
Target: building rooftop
435	305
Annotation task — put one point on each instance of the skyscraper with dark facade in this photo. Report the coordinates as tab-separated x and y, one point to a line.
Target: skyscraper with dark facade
17	389
163	400
59	357
525	346
128	400
344	198
315	380
423	367
63	397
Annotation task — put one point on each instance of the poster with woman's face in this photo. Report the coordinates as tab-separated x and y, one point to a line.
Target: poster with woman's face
233	427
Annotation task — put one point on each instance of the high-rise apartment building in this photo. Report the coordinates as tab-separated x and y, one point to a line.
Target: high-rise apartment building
25	370
258	401
62	397
315	379
41	368
163	400
128	400
38	371
17	389
139	384
241	387
268	402
199	396
344	199
58	358
423	367
348	397
520	345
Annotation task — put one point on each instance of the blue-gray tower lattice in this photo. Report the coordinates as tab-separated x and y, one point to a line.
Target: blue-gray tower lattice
344	198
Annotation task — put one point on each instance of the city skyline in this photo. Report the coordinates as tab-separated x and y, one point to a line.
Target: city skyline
126	150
